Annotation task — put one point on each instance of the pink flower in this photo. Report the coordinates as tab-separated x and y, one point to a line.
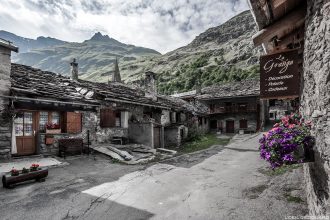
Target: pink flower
276	125
292	125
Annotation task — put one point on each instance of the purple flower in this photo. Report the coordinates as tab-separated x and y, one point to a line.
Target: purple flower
288	157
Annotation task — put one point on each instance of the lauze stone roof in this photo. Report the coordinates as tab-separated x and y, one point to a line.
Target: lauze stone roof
30	82
242	88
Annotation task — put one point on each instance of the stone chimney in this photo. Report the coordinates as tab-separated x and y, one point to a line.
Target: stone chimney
116	73
150	85
5	67
74	69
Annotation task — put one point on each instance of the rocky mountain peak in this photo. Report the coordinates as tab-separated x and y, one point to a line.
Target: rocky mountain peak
100	37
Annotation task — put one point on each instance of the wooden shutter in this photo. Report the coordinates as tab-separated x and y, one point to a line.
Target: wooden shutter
73	122
107	118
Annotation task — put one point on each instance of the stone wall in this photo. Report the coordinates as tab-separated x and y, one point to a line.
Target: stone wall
315	102
5	120
173	137
141	133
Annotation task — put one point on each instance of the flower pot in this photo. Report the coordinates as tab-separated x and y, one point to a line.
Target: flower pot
53	131
39	175
49	140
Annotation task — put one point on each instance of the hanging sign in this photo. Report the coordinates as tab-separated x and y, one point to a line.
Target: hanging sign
279	75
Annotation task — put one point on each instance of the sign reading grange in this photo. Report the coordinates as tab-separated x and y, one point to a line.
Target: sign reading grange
279	75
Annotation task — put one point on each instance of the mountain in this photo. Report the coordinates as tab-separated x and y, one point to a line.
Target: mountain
27	44
220	54
95	56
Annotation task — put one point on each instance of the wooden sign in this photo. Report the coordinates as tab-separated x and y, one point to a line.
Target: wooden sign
279	75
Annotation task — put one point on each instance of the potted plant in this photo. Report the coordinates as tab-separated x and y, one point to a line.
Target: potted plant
34	167
25	170
288	142
53	128
14	176
14	172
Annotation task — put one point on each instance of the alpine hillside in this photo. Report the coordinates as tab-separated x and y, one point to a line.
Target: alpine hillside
220	54
95	56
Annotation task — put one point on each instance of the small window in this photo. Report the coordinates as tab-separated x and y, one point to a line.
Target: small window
110	118
56	118
173	117
200	121
118	119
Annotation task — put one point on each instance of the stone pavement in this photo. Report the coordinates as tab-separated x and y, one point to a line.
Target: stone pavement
231	184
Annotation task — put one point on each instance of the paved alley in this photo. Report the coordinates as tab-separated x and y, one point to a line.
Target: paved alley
231	184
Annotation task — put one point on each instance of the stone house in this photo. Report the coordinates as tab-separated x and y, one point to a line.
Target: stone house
233	107
32	99
304	26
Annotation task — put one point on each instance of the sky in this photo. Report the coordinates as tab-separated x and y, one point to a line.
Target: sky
163	25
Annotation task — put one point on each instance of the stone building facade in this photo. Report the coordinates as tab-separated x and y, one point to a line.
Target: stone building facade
33	102
315	102
5	84
304	26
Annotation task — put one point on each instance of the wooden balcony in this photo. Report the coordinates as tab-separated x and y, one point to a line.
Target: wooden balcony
233	109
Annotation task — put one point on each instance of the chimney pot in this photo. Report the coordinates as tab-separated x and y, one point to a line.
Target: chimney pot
74	69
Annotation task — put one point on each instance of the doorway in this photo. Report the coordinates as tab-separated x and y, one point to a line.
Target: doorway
230	126
25	128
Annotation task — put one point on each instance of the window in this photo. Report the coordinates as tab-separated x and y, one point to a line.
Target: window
200	121
118	121
55	118
173	117
212	107
43	120
242	107
24	124
243	124
110	118
48	117
73	123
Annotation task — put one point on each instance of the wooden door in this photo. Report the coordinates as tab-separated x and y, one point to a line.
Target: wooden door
230	128
25	123
157	137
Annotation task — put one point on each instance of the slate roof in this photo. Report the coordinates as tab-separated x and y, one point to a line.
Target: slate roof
35	83
244	88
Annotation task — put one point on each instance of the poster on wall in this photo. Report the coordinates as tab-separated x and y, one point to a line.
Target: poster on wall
280	75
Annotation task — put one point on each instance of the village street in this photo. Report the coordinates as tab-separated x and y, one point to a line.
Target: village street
232	184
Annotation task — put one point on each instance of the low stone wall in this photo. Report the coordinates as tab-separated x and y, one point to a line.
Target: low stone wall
173	137
315	103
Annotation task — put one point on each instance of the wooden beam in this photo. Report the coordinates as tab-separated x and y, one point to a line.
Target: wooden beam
259	13
281	27
295	37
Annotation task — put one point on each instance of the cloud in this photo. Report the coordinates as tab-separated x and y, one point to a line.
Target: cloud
158	24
